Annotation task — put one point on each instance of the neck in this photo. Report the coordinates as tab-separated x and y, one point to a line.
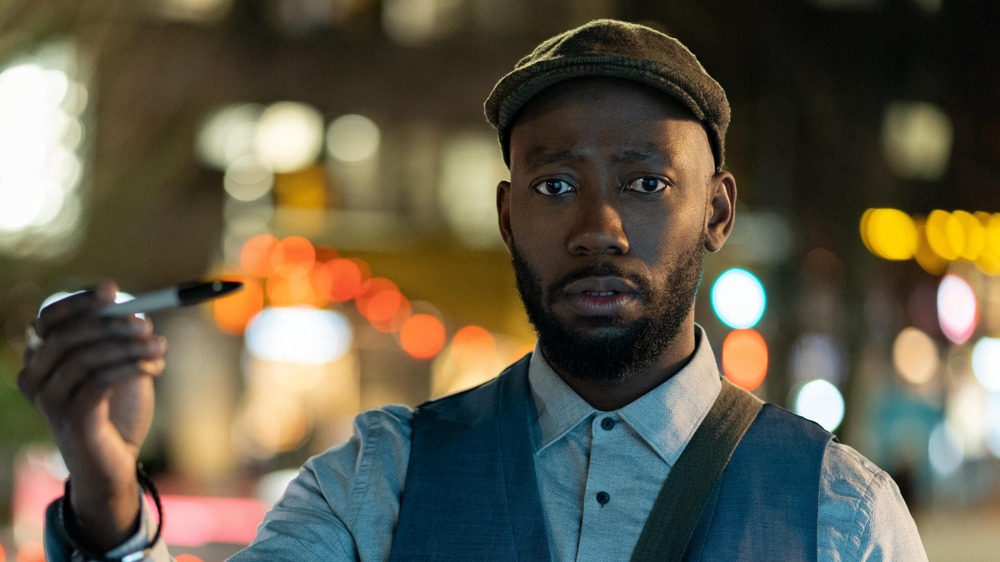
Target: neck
606	396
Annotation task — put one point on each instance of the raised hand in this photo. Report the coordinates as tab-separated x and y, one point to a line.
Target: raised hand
91	377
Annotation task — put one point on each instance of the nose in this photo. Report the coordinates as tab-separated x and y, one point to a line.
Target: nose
598	228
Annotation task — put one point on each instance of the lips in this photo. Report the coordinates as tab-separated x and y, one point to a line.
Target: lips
600	296
604	285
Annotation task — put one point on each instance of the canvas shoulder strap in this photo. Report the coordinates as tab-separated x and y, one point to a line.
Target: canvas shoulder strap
689	485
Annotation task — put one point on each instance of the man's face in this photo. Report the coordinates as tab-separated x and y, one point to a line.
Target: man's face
613	200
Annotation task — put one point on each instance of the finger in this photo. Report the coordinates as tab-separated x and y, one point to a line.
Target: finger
91	363
84	332
96	388
73	306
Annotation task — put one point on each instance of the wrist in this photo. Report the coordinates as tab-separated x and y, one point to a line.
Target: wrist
102	534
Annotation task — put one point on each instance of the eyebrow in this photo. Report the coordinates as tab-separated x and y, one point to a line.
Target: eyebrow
648	153
540	158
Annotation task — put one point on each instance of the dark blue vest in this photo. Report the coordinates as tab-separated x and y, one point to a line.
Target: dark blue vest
471	494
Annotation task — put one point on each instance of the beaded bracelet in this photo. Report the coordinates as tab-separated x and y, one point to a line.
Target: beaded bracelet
71	533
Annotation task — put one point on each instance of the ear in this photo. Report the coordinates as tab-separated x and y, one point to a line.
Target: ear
720	212
503	212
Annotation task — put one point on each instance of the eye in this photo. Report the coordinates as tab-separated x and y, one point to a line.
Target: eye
553	187
648	184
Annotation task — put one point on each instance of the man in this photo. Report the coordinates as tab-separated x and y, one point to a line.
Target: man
615	439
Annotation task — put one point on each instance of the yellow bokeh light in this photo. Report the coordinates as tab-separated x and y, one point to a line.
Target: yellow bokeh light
973	234
925	256
892	234
938	236
989	259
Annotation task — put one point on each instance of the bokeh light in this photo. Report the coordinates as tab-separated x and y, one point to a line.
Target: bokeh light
260	255
973	234
299	335
945	450
233	312
889	233
285	291
248	178
289	136
744	358
986	363
352	138
944	235
915	356
227	135
821	402
40	161
738	298
916	139
472	345
958	311
346	277
470	166
422	336
297	256
387	310
989	260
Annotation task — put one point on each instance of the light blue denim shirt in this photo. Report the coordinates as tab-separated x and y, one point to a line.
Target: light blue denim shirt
344	503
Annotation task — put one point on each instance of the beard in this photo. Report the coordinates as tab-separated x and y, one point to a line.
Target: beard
608	350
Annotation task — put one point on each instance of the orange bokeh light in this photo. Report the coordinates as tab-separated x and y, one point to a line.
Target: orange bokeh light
744	358
346	277
473	344
387	310
283	290
297	257
369	289
261	255
422	336
321	279
233	312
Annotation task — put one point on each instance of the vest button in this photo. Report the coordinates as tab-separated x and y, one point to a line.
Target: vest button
603	498
607	424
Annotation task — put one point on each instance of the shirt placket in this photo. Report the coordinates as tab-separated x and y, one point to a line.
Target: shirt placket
601	518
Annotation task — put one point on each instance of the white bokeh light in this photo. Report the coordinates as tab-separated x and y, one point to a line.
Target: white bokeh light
821	402
40	142
289	136
738	298
299	335
228	135
352	138
986	363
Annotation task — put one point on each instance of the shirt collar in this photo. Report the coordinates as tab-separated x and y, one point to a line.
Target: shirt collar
665	417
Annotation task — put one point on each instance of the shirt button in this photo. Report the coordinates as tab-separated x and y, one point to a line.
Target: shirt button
607	424
603	498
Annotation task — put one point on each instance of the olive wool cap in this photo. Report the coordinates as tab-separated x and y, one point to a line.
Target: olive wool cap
614	49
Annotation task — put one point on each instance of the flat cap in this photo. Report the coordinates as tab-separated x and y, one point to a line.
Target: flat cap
614	49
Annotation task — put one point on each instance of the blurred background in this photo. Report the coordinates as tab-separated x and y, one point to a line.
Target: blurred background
333	155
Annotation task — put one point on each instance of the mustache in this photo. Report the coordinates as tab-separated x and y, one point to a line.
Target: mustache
601	269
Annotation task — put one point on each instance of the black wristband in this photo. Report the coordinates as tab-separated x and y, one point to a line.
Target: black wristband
71	533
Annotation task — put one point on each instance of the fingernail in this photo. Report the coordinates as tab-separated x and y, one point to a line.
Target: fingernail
162	340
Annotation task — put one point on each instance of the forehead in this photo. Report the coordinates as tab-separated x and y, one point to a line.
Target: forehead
608	114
